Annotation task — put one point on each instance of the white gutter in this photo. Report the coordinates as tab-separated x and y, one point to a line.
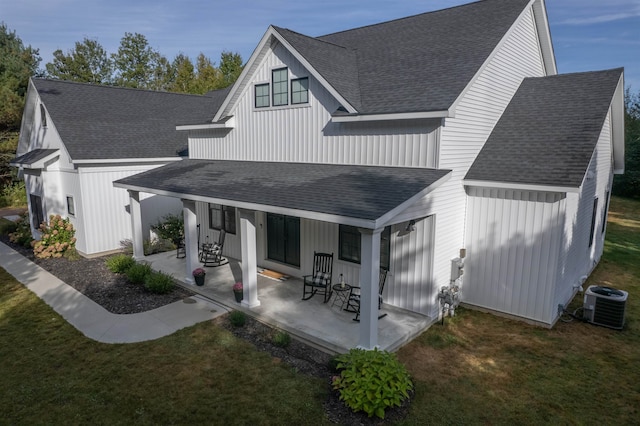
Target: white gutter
519	186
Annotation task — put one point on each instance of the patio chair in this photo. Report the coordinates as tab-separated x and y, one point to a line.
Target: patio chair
212	253
181	251
319	282
353	302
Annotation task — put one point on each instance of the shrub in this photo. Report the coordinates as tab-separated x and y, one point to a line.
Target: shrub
371	381
159	282
22	233
138	272
148	246
281	338
14	195
7	226
170	227
237	318
57	238
119	263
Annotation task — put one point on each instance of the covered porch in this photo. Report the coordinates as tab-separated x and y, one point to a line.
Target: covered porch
365	198
323	325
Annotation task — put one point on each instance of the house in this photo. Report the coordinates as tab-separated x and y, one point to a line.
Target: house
429	146
76	139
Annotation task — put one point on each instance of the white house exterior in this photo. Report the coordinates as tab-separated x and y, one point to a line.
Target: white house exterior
76	139
397	145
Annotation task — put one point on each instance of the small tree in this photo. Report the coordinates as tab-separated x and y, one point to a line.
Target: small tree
170	227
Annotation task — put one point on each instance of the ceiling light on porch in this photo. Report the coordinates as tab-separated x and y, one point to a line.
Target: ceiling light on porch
411	226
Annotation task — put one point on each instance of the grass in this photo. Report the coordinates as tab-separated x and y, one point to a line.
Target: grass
476	369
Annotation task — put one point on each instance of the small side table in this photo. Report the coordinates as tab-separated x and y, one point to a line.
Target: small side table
342	294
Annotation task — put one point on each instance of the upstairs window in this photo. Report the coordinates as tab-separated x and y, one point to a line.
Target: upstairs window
280	79
593	220
262	95
300	91
43	116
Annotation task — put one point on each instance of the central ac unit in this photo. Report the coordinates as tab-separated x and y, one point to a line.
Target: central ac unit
605	306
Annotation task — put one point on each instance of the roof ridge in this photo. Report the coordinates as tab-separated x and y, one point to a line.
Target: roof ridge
313	38
108	86
575	73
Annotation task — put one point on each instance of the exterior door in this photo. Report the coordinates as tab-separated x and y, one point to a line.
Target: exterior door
283	239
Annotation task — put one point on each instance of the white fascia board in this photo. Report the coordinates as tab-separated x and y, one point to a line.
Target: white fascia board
544	37
617	127
226	124
519	186
127	160
342	220
248	71
394	116
387	218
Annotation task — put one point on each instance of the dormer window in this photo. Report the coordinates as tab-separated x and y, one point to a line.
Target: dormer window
276	93
280	78
43	116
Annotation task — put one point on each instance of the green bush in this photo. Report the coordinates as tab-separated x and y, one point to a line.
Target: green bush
281	338
171	228
22	234
148	246
7	226
237	318
120	263
159	282
371	381
14	195
138	272
57	238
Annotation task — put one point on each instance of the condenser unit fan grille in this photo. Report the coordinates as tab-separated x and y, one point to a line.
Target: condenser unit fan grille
605	306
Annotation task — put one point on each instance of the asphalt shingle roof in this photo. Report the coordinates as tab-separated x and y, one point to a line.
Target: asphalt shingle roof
416	64
33	156
362	192
548	133
106	122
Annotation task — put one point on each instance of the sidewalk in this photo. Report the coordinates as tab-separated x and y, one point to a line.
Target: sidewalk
96	322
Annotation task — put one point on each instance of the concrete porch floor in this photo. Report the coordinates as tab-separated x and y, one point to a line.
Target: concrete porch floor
324	326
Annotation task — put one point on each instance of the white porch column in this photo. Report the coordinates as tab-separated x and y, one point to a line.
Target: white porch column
137	238
190	239
369	277
249	258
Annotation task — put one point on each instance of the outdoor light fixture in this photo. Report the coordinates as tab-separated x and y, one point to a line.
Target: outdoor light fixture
411	226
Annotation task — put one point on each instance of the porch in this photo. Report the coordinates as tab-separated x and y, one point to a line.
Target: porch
322	325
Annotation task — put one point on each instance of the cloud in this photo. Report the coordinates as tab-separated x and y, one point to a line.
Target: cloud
600	18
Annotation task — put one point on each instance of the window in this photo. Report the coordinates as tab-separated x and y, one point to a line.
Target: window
262	95
37	214
349	245
593	220
280	78
43	116
222	217
300	91
604	212
71	209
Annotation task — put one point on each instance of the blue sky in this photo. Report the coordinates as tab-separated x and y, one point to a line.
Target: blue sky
587	34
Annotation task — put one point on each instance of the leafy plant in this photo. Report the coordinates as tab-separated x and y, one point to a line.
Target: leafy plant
7	226
138	272
22	233
171	228
119	263
371	381
237	318
237	287
14	195
57	238
159	282
281	338
199	272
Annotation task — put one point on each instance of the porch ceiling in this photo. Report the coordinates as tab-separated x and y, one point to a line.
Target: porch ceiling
365	196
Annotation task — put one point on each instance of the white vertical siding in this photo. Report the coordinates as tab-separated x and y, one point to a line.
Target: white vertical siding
462	138
577	258
513	242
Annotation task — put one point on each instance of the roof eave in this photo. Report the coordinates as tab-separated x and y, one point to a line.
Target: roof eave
225	123
356	118
520	186
112	161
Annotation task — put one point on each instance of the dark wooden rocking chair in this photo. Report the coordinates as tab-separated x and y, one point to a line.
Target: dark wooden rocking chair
320	279
353	302
212	253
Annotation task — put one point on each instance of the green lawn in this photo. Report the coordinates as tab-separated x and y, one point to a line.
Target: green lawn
477	369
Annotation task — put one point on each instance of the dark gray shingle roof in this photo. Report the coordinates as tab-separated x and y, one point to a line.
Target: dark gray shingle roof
106	122
361	192
33	157
420	63
549	130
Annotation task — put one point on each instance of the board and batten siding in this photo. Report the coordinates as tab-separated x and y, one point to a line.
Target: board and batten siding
105	208
305	133
463	136
513	245
577	258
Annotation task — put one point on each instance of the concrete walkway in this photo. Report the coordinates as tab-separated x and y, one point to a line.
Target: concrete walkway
96	322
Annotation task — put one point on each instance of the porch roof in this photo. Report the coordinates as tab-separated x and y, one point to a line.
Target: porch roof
35	159
365	196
